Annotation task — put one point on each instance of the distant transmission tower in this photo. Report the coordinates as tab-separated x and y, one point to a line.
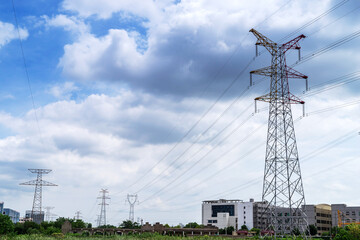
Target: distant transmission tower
48	214
102	217
132	199
283	189
36	214
77	215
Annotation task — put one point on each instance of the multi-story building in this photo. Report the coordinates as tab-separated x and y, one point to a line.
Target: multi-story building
252	214
37	217
320	216
347	214
1	207
14	215
220	213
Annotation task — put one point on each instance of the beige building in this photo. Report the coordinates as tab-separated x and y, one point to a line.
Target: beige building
319	216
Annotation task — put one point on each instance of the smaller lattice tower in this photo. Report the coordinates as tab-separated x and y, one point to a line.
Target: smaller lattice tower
132	199
48	213
77	215
37	214
103	204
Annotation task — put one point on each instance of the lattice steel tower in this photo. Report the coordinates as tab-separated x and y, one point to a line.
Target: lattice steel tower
36	213
102	217
283	188
132	199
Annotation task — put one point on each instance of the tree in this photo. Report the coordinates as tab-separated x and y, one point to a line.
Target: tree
129	225
257	230
191	225
312	230
107	226
296	232
78	224
244	227
229	230
6	225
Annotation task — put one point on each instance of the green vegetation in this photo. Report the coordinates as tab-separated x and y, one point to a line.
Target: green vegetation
52	231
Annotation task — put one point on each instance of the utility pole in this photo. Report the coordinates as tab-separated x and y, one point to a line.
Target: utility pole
283	189
77	215
132	199
102	217
48	214
36	213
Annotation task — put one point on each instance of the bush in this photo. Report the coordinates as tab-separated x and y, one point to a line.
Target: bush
6	225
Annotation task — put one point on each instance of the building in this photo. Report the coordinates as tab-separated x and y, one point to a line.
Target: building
37	217
14	215
319	216
252	214
347	214
220	213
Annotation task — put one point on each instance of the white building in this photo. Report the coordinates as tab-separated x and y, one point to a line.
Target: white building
252	214
225	213
220	213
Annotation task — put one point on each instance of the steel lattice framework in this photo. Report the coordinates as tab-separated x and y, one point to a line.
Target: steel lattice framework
36	212
132	199
282	188
102	217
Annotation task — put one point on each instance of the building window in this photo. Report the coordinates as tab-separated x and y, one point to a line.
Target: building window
214	221
223	209
210	221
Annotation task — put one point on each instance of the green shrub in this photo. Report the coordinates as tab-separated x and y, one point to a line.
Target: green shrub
6	225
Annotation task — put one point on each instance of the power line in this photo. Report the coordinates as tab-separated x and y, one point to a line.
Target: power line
334	107
26	70
198	138
217	100
307	157
329	47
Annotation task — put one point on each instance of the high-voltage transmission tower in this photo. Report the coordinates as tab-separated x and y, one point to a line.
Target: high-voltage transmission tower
132	199
102	216
36	212
77	215
48	213
283	188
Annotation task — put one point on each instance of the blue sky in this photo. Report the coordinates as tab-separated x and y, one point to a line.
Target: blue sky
118	84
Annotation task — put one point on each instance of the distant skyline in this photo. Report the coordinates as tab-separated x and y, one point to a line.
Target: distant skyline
152	98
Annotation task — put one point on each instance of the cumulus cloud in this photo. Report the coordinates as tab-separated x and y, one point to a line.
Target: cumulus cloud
111	141
69	23
186	42
8	32
63	91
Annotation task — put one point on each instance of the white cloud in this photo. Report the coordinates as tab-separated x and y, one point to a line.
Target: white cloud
86	58
110	142
64	91
182	44
8	32
69	23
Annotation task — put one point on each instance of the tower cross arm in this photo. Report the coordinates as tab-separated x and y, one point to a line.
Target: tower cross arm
32	182
292	44
264	41
41	171
266	71
36	182
292	73
46	183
